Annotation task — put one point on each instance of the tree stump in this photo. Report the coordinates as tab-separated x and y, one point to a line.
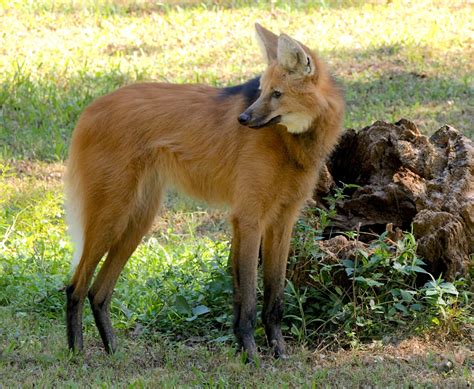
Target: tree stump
407	179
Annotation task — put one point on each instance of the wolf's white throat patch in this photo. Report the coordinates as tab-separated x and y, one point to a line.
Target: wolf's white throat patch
296	123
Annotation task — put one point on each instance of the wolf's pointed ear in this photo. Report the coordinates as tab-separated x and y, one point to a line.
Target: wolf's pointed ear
292	56
268	43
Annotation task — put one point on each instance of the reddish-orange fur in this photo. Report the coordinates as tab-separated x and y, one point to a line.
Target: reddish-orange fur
130	145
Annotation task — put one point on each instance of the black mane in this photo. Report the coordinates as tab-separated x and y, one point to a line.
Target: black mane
249	90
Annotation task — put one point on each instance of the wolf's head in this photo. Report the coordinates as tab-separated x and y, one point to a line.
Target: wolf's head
290	86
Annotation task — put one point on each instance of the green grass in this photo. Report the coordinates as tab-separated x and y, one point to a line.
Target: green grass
161	343
172	305
394	60
37	357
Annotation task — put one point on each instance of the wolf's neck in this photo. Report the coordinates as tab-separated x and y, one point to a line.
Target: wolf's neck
303	149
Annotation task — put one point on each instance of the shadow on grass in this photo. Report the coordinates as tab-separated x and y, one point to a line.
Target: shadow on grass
37	116
394	81
430	102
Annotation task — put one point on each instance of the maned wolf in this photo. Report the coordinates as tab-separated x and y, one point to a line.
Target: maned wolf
257	147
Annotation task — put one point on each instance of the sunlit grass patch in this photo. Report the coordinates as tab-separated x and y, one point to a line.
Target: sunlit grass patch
33	356
395	59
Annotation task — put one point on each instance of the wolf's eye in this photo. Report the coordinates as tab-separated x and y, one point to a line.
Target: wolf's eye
276	94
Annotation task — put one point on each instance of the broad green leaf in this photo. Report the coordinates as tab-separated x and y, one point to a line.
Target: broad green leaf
416	269
449	287
399	267
406	295
372	282
200	310
368	281
401	308
348	263
181	305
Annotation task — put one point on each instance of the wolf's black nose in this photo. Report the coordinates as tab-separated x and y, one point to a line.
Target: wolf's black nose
244	118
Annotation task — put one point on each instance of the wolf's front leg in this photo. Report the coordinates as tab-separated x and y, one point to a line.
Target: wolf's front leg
245	246
276	245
